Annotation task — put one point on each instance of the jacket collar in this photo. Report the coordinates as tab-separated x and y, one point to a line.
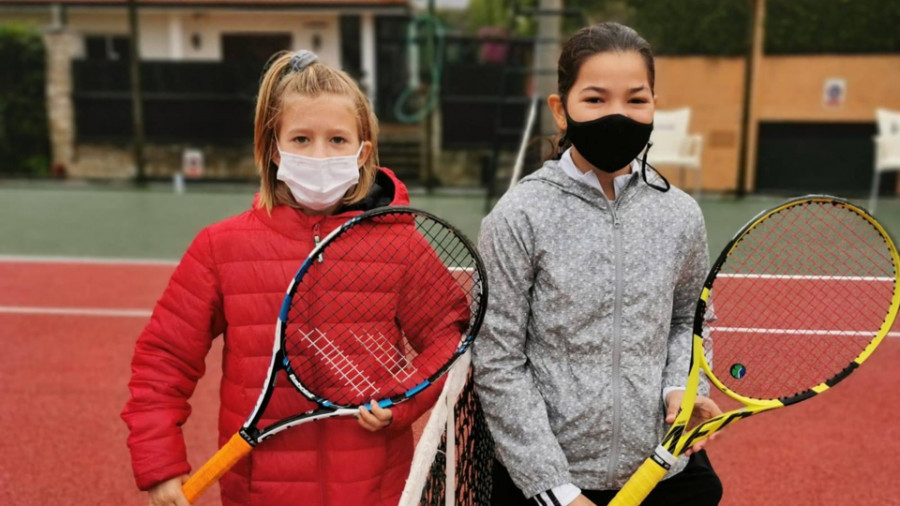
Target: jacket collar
551	173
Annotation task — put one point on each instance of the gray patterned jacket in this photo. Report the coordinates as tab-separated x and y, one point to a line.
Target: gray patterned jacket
589	318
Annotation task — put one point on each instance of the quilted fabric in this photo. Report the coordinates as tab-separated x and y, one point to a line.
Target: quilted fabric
231	282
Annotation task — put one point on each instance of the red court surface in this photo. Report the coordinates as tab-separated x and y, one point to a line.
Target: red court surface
68	331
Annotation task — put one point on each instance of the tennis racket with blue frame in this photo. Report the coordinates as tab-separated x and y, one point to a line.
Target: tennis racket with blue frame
379	310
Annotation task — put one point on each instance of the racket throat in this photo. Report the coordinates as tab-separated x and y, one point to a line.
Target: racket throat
250	435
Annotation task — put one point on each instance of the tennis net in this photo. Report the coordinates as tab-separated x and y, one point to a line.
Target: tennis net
453	459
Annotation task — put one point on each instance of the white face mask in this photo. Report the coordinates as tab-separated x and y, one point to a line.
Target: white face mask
318	183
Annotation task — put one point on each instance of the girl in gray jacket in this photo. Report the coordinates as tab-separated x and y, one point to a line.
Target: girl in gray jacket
595	265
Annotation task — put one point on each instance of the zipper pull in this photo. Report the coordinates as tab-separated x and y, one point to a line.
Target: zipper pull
316	241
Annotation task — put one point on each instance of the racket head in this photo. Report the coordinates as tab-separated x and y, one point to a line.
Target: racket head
381	309
799	298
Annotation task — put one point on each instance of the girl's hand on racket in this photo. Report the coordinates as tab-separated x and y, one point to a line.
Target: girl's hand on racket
704	409
376	419
168	493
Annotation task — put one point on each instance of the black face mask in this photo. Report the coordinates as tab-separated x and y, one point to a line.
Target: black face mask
610	142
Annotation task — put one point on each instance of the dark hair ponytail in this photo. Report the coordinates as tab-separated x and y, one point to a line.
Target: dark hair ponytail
587	42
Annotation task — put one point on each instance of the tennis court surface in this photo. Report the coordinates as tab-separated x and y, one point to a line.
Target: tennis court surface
82	267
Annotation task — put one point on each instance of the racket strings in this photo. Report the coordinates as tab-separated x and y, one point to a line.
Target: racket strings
394	361
817	261
798	298
387	308
871	263
330	378
341	364
450	247
815	296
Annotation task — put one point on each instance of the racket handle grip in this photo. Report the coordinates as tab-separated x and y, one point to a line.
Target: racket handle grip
234	450
639	486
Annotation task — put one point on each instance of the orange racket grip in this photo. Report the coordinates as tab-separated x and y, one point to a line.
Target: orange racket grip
234	450
639	486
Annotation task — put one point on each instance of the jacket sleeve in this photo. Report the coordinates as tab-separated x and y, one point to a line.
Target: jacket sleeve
692	274
404	414
433	312
168	360
513	406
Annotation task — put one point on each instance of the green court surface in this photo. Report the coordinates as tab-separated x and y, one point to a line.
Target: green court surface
119	221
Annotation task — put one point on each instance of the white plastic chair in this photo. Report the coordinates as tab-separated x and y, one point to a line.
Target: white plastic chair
887	149
672	145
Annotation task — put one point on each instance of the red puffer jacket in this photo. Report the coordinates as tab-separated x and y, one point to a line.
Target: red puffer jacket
231	281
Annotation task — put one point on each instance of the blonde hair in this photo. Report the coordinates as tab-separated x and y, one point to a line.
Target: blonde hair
279	82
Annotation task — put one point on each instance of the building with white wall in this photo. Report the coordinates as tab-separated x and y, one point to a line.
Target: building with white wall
203	40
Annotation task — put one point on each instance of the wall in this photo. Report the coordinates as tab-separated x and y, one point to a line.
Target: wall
790	89
156	28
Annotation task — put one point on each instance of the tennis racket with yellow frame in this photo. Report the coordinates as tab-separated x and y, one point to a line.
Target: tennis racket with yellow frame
798	299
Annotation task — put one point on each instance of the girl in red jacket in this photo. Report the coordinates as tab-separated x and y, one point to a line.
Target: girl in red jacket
315	146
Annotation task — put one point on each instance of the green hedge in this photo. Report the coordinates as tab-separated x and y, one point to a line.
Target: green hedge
832	26
24	148
719	27
707	27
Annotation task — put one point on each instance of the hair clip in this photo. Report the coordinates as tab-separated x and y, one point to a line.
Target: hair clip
302	59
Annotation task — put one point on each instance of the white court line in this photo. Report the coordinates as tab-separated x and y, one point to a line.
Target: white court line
811	332
84	260
807	277
76	311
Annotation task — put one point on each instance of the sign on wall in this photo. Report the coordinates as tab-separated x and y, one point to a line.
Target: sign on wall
835	92
192	163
